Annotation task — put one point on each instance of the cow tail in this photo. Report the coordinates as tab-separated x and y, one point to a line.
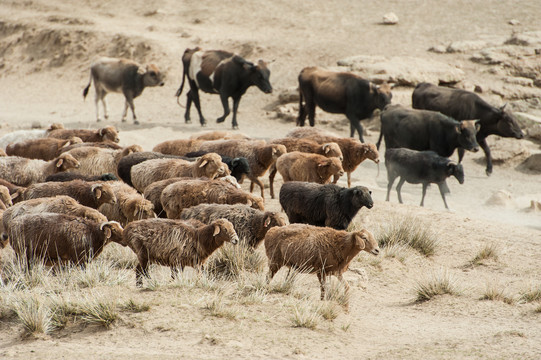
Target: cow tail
179	91
85	91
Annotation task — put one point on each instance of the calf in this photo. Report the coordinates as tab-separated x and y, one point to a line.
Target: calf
339	93
420	167
425	130
464	105
121	75
220	72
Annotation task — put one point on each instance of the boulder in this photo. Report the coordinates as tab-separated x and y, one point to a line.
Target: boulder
533	163
406	71
506	151
501	198
287	112
289	95
528	38
466	46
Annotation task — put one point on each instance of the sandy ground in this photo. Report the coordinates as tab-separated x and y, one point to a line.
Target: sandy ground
44	61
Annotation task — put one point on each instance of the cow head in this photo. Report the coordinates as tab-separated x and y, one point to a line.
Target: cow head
456	170
258	74
467	130
151	75
381	95
360	196
507	124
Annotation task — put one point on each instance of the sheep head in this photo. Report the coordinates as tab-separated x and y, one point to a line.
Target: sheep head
103	193
370	151
278	150
364	240
255	202
109	133
328	167
360	196
65	162
130	150
332	149
224	231
138	208
210	165
113	232
5	197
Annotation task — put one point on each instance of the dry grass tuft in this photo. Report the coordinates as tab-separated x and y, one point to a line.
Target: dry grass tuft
494	293
440	284
306	314
97	310
531	295
33	313
329	310
285	285
134	307
230	261
219	307
488	252
408	232
336	291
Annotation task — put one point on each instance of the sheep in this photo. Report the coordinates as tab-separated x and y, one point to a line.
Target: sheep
219	135
183	194
320	250
299	166
260	155
60	238
127	162
238	166
61	204
97	161
175	243
209	165
178	146
129	206
15	191
250	224
353	150
108	133
103	145
21	135
68	176
323	205
3	153
86	193
43	149
423	167
5	198
153	192
23	172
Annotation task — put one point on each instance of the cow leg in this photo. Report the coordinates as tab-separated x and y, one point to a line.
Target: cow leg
194	91
129	101
349	179
225	105
189	101
399	188
443	188
236	102
100	96
484	146
460	152
425	185
355	124
391	180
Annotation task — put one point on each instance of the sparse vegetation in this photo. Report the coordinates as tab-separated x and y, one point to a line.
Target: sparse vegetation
97	310
218	307
286	284
230	261
34	315
531	295
336	292
135	307
439	284
488	252
410	232
305	315
494	293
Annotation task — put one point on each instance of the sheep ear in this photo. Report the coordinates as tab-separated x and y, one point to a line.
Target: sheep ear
100	132
59	163
15	195
96	189
267	221
360	240
135	213
203	163
68	143
107	231
274	151
216	230
249	202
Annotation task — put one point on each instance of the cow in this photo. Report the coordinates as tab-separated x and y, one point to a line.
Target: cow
425	130
220	72
465	105
121	75
420	167
340	93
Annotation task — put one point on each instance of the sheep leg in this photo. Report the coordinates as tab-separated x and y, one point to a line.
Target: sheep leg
272	174
398	188
322	279
140	271
260	184
273	269
174	272
425	185
344	282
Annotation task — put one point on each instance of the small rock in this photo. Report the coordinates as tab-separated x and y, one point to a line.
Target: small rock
466	46
514	22
502	198
36	125
478	89
390	19
290	95
438	49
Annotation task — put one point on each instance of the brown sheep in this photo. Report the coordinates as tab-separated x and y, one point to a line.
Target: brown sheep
250	224
5	198
15	191
2	152
260	155
178	147
23	172
60	238
300	166
219	135
129	206
103	145
209	165
97	161
86	193
175	243
353	150
314	249
58	204
108	133
43	149
183	194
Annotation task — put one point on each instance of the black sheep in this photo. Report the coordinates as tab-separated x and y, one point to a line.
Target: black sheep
238	166
323	205
126	163
68	176
420	167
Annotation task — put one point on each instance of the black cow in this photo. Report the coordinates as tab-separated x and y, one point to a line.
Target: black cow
224	73
323	205
420	167
425	130
340	93
465	105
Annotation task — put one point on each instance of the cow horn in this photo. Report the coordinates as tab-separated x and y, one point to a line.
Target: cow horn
141	70
503	107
